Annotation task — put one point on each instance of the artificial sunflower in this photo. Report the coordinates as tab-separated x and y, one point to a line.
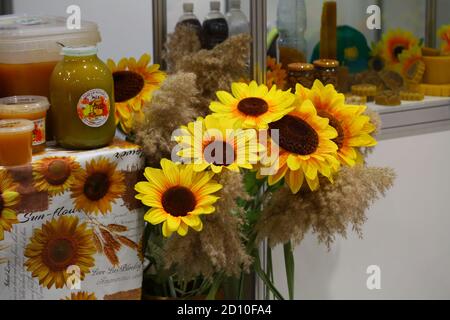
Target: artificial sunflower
412	67
57	245
55	175
276	75
217	144
177	196
394	43
98	187
82	295
353	127
134	83
306	148
252	106
9	197
444	35
376	61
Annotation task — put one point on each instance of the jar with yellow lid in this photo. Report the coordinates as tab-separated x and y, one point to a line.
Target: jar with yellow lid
326	71
81	91
301	73
33	108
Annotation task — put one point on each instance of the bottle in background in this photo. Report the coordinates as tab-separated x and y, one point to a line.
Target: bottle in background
190	19
237	21
291	24
215	26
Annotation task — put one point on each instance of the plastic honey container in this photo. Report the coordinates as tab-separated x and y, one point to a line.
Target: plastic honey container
33	108
15	142
30	48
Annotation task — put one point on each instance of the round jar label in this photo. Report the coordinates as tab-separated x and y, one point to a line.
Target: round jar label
93	108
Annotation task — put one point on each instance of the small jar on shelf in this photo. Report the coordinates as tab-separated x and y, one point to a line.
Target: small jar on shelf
326	71
301	73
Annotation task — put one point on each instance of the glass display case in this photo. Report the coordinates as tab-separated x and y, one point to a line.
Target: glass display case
433	113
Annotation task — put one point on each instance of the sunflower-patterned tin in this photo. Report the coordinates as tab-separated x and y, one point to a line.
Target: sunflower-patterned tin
70	226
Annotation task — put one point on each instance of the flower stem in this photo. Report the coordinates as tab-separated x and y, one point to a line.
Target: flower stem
290	267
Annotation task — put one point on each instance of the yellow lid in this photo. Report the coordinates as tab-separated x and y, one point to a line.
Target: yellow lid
16	126
23	105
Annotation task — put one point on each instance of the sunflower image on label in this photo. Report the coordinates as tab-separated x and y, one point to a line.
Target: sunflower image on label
94	108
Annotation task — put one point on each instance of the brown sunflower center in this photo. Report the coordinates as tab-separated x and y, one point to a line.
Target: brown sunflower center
178	201
59	253
296	136
336	124
127	85
253	106
377	64
219	153
96	186
2	203
58	171
398	50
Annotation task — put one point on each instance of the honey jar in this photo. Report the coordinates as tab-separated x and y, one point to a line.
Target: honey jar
326	71
30	48
16	137
33	108
301	73
81	91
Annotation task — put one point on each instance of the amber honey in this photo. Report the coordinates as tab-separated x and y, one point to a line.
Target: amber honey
32	108
16	136
26	79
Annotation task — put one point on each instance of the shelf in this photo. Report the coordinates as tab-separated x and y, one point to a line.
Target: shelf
412	118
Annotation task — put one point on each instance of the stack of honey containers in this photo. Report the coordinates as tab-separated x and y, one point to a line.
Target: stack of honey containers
42	61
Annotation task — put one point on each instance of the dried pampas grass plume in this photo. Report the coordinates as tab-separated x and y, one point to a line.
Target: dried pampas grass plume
171	107
218	247
184	41
327	212
376	120
216	69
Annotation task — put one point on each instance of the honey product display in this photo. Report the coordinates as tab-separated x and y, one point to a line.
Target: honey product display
414	73
435	90
301	73
326	71
388	98
365	90
15	142
392	80
355	99
82	100
430	52
411	96
30	48
33	108
437	70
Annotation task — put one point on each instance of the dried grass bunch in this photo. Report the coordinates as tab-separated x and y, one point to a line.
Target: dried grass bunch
327	212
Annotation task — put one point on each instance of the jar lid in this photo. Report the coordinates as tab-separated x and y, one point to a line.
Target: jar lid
300	66
23	104
82	51
326	63
16	126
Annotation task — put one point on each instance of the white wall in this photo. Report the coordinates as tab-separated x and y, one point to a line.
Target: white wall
407	233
